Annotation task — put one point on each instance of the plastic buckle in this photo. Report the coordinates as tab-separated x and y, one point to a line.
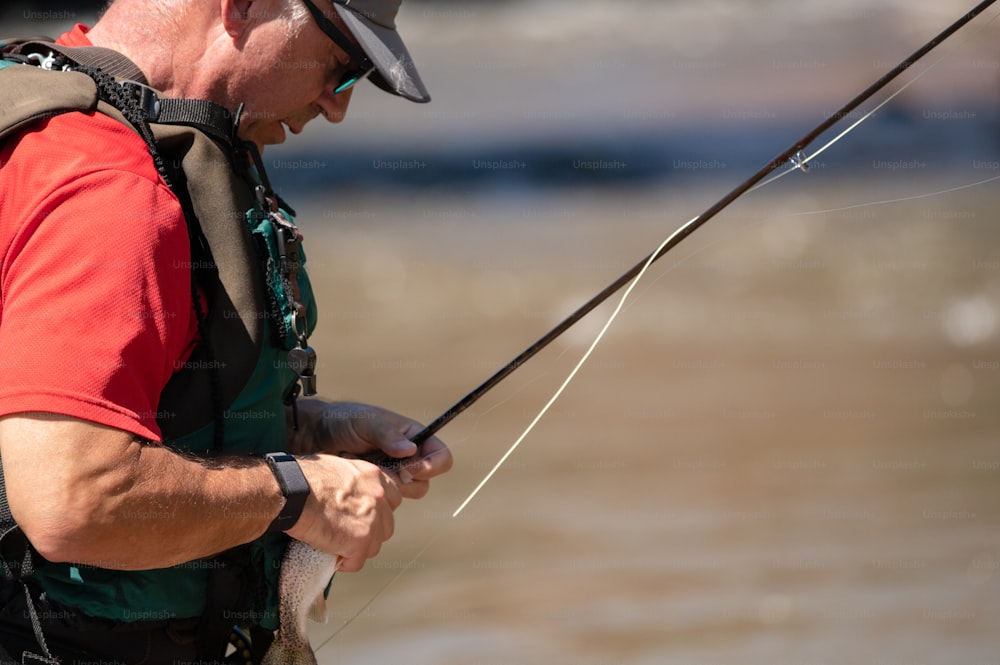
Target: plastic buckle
146	96
46	61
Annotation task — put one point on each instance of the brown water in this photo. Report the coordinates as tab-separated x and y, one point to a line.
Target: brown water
785	451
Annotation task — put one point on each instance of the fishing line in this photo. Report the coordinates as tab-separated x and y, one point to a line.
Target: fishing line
410	564
793	154
802	213
645	268
392	580
576	368
794	151
801	162
904	199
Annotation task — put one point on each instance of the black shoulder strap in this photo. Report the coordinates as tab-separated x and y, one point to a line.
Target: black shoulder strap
98	62
216	121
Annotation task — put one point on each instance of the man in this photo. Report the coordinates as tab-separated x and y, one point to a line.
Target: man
101	308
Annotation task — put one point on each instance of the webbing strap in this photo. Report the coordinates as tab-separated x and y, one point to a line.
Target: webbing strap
217	121
208	117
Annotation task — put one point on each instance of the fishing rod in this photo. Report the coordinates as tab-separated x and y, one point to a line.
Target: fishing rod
792	155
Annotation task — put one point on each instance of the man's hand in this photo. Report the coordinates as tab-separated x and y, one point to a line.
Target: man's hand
349	509
361	431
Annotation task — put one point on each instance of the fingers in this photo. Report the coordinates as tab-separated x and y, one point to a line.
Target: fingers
412	474
384	530
415	489
358	497
393	434
379	435
360	430
434	459
393	488
352	564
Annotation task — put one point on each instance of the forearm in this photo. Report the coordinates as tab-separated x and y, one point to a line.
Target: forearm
175	509
97	496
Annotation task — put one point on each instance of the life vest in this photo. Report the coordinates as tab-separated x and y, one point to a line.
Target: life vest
240	244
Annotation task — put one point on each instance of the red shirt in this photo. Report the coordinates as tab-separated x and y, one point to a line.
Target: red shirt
95	292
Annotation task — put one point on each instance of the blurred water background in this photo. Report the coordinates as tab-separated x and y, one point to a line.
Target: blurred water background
787	449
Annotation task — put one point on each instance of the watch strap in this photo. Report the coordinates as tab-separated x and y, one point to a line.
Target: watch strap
294	487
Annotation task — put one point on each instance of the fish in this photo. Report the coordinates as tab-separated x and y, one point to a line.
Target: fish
305	574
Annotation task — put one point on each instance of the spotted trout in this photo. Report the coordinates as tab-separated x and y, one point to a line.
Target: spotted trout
305	574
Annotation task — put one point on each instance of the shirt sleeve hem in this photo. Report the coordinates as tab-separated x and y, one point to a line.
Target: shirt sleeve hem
82	407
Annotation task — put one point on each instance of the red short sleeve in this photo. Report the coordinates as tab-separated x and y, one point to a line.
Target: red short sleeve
95	294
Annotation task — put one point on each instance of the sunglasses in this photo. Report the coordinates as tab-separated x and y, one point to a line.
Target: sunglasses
364	67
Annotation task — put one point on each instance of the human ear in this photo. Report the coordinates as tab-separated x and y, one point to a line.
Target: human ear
235	16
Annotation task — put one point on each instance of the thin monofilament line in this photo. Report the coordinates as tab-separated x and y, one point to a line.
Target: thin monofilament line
655	254
378	593
807	213
902	199
638	278
411	564
517	443
635	281
573	373
806	160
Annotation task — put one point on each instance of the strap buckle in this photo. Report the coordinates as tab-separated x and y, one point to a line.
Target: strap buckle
147	98
49	61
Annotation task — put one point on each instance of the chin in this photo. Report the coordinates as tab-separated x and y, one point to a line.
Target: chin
263	135
274	136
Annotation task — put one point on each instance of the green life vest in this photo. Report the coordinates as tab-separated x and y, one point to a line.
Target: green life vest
251	326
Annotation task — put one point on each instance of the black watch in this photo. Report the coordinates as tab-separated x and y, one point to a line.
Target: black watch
294	488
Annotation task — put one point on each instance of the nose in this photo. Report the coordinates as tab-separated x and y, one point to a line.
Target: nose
335	106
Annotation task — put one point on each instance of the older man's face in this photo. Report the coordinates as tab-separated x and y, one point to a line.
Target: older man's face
284	83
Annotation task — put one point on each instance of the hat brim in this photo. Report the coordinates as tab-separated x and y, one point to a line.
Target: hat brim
395	72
